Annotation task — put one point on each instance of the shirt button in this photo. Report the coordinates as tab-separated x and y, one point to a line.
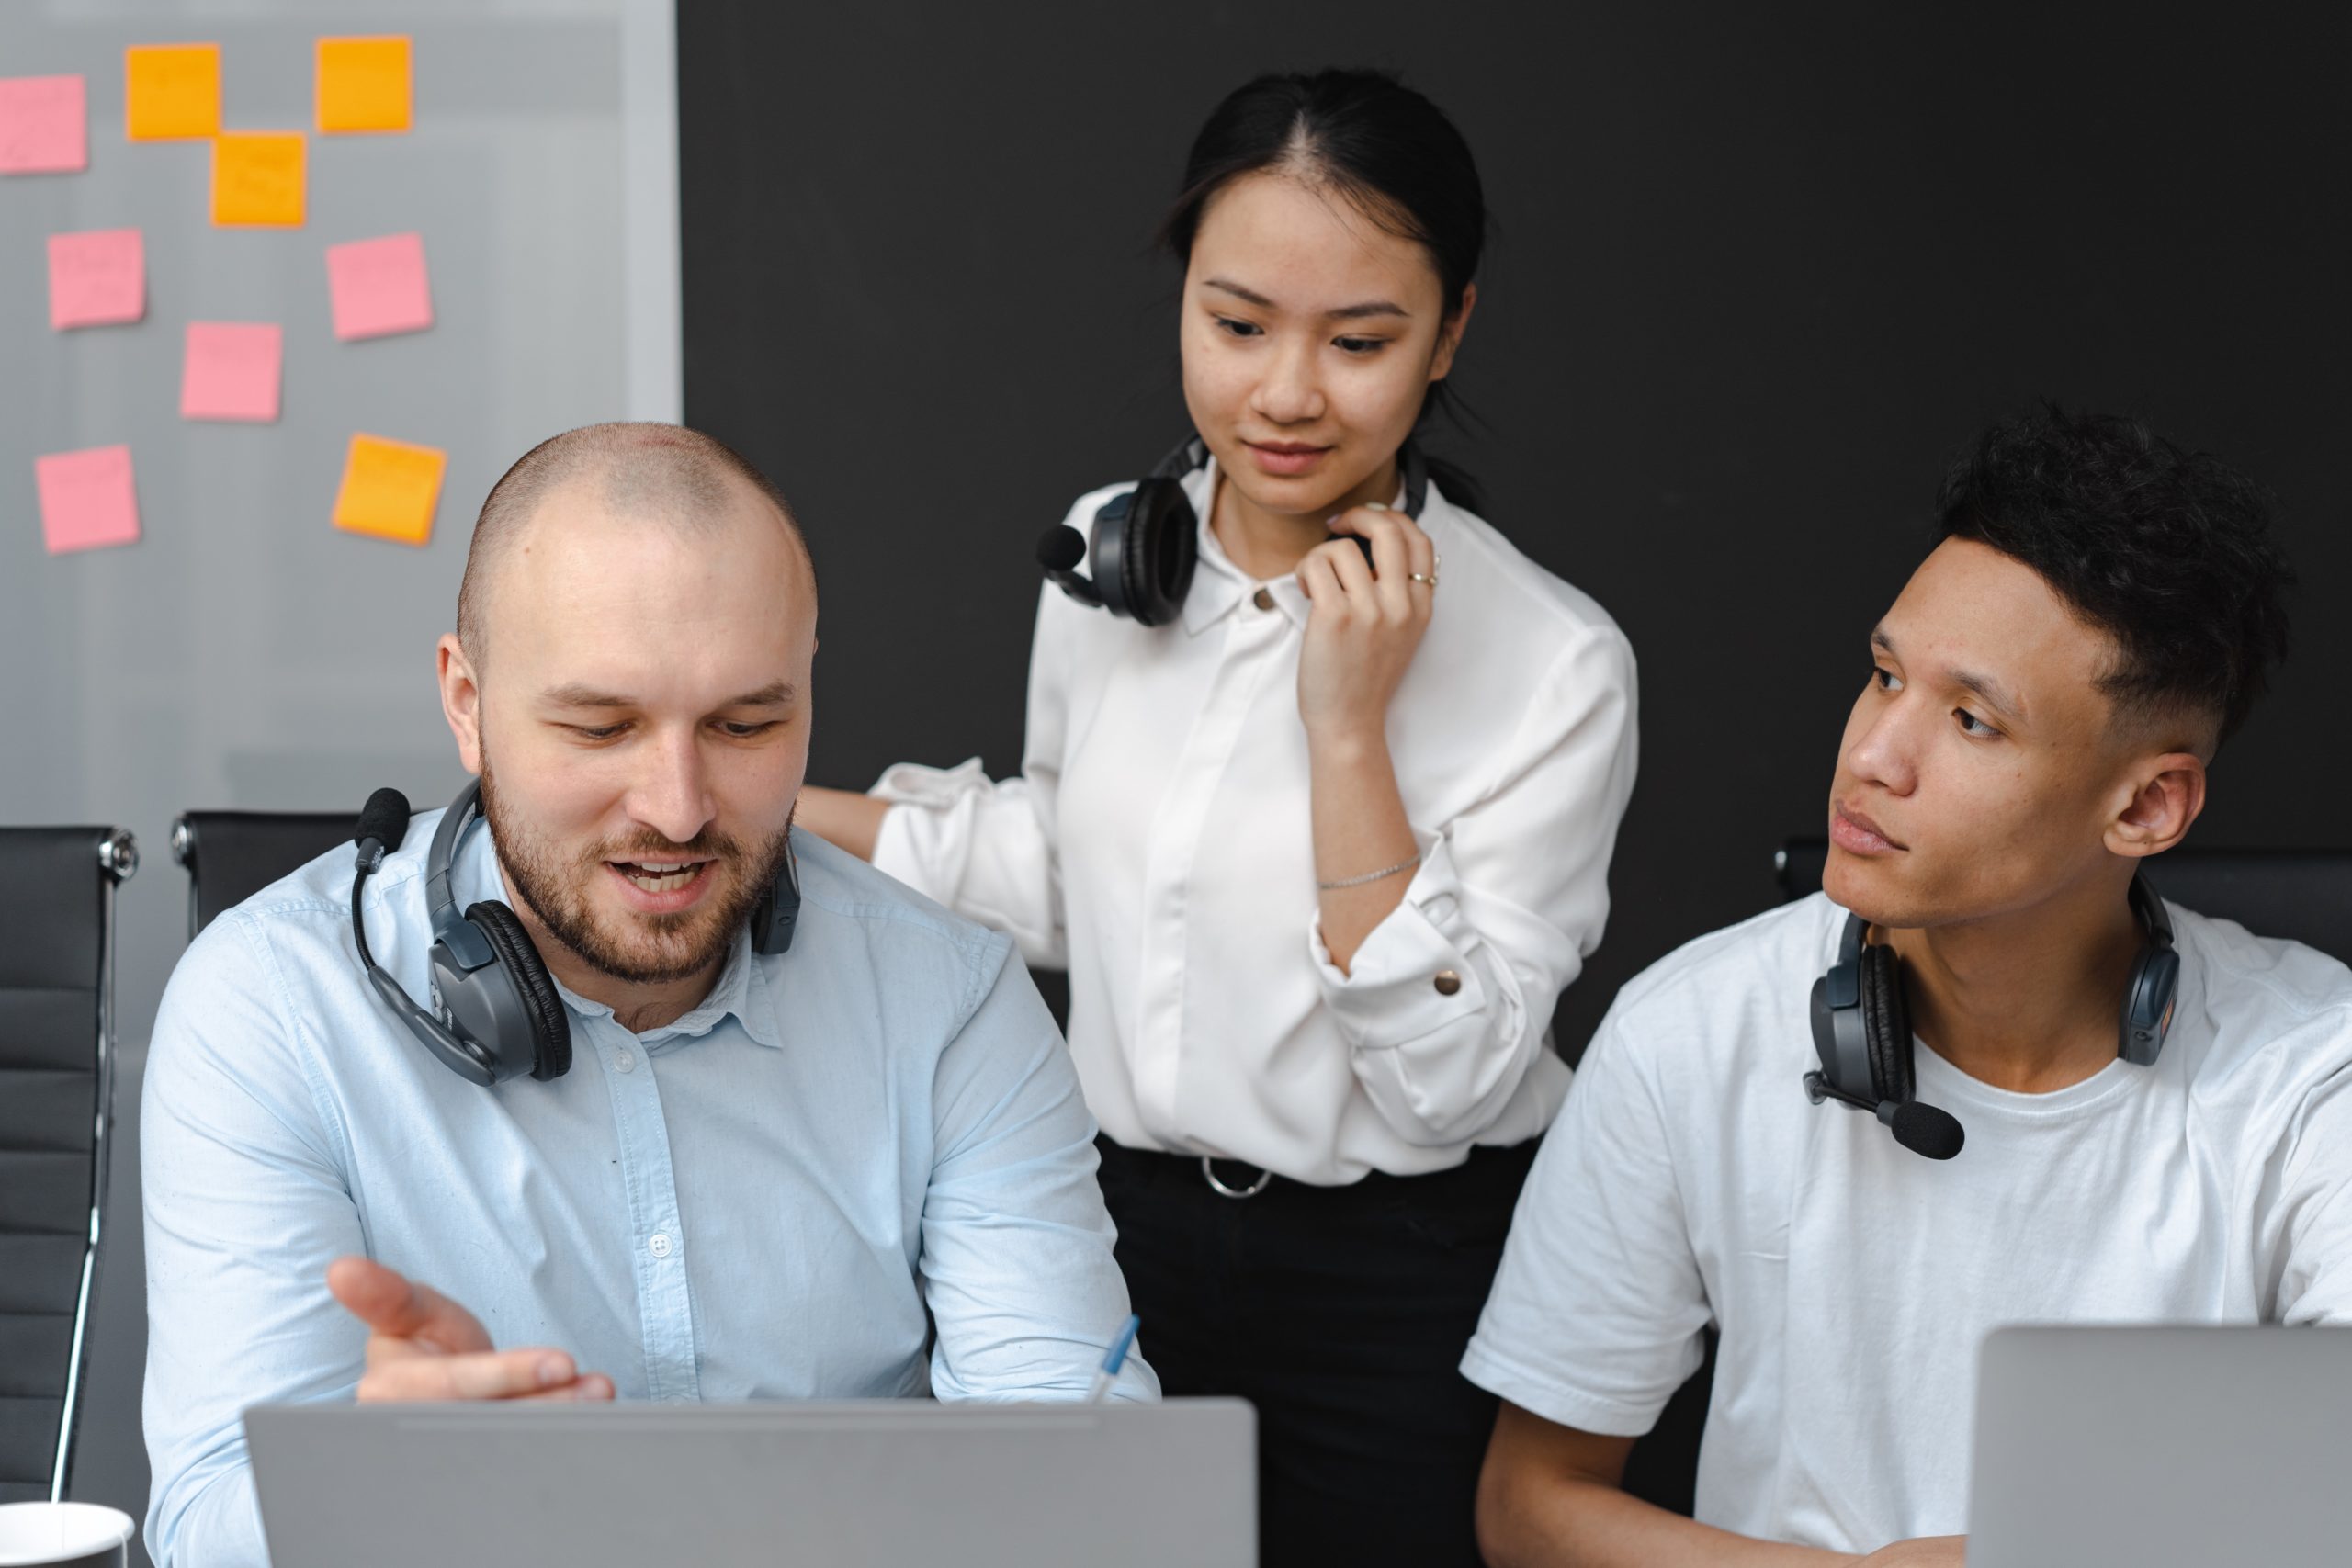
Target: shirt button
624	1060
660	1245
1447	982
1263	598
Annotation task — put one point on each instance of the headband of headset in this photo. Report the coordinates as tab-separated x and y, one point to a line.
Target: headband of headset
1861	1028
1146	540
496	1012
449	928
1193	452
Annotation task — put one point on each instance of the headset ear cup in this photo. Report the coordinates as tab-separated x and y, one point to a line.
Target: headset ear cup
1886	1025
2154	983
551	1024
1158	549
2148	997
1135	554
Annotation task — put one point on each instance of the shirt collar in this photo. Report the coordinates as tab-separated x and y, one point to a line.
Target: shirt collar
740	991
1219	586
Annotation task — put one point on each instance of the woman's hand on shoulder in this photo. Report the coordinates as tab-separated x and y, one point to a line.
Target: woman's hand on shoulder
1366	621
841	816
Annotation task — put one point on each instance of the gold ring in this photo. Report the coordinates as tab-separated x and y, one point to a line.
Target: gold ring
1420	577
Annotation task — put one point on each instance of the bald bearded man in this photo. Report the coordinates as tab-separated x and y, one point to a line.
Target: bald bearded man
856	1167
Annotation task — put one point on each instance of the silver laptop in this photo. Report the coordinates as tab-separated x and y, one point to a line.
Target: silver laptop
885	1482
2163	1448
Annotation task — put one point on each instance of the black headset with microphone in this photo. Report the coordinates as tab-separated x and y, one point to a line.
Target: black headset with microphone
1146	541
496	1014
1862	1027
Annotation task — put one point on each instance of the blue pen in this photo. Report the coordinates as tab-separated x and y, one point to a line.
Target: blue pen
1114	1358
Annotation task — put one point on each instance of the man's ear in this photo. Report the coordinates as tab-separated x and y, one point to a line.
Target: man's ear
2156	804
461	700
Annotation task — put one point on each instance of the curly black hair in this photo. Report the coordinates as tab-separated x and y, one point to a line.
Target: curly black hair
2165	551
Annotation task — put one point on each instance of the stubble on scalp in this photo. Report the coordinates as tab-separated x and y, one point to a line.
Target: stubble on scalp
663	474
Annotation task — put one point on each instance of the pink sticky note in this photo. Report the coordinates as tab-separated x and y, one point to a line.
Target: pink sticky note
96	277
378	287
86	499
231	370
44	125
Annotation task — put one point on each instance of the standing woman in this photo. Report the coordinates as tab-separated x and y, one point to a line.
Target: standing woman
1321	842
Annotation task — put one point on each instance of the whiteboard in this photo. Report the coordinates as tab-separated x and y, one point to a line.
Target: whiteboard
244	653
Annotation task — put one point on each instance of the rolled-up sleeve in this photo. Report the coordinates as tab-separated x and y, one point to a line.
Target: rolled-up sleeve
987	849
1508	900
245	1205
1017	1262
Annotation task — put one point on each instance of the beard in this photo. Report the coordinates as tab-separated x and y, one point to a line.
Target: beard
641	950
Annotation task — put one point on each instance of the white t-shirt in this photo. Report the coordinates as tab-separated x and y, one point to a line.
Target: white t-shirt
1691	1182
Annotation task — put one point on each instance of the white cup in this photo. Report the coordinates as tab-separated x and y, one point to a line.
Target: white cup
64	1534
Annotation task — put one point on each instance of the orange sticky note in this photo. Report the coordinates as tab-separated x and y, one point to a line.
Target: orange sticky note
389	489
363	84
87	499
172	91
258	179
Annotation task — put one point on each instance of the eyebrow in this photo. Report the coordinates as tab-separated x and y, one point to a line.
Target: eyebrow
775	694
1344	313
1993	693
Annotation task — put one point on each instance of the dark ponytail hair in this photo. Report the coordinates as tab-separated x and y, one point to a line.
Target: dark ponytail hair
1389	151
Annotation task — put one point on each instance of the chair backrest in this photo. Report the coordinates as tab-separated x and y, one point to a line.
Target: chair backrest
2303	894
56	1106
231	855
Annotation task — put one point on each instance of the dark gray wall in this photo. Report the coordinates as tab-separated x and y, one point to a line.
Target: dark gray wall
1759	268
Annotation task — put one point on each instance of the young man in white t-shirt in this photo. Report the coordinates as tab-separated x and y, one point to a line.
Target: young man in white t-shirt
2044	701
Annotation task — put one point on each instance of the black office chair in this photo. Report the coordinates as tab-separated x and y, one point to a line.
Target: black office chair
56	1107
2303	894
231	855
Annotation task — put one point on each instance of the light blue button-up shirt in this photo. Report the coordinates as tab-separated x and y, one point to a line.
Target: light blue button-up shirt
861	1168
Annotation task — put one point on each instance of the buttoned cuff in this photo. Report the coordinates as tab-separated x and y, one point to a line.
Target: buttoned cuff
1411	976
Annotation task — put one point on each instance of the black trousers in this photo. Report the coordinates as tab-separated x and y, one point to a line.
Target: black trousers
1341	1313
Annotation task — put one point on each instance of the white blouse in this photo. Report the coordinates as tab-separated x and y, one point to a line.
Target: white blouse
1158	845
